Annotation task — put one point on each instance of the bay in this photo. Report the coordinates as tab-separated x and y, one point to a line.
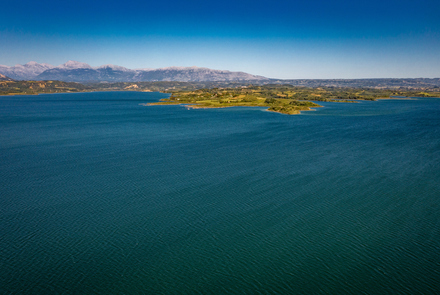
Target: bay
101	195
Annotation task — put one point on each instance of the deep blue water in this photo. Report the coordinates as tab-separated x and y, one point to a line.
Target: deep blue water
101	195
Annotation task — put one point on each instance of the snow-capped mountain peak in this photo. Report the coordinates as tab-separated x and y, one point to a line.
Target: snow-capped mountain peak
26	71
71	64
113	67
82	72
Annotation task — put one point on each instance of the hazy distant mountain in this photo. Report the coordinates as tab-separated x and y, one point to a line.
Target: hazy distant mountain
82	72
28	71
74	71
72	65
193	74
79	72
4	78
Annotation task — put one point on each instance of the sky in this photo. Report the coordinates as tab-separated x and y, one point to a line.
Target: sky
312	39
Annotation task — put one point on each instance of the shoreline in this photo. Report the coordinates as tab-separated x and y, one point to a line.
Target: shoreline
88	91
195	106
396	98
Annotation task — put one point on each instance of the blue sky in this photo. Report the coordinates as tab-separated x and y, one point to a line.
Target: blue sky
277	39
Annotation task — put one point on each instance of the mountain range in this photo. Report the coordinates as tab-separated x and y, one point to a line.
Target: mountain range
73	71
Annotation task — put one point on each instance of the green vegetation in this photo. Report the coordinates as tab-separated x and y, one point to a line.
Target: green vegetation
35	87
259	96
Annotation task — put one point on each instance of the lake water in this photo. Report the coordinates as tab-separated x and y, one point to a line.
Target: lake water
101	195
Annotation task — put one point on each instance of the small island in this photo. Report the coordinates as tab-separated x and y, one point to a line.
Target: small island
230	98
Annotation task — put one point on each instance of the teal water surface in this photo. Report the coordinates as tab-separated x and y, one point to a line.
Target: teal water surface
101	195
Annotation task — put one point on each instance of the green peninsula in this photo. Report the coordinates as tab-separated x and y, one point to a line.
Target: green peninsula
233	97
